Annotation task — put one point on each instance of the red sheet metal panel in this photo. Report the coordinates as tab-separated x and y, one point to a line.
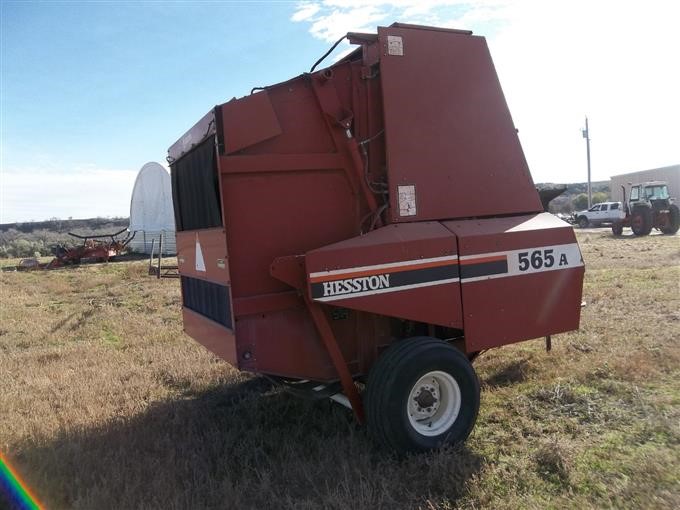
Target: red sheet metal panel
408	271
521	278
203	254
270	215
452	148
283	343
303	127
247	121
219	340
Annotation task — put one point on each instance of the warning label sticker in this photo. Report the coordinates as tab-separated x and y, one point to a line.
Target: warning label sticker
395	45
407	200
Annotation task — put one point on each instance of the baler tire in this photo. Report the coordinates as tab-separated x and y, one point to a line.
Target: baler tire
414	365
617	229
674	224
583	222
641	221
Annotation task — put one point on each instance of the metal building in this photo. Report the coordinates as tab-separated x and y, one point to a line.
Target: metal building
151	212
670	174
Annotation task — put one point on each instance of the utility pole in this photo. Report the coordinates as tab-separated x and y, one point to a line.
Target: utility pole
586	135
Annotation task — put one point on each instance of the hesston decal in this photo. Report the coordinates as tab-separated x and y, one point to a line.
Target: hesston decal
356	285
376	279
368	280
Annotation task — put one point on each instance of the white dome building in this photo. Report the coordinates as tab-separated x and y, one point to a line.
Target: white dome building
151	211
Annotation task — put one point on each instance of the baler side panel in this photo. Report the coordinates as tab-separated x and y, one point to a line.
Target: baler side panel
269	215
207	306
219	340
285	343
521	278
287	194
283	196
303	128
202	256
407	271
499	312
261	209
248	121
449	131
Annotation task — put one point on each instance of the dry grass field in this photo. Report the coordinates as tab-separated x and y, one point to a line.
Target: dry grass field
105	403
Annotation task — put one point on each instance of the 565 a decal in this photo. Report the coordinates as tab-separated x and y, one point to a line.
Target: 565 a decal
539	259
518	262
544	258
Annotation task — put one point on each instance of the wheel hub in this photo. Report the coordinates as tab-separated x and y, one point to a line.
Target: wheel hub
434	403
426	399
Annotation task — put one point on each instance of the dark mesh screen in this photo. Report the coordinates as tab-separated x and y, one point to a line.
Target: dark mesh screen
208	299
195	189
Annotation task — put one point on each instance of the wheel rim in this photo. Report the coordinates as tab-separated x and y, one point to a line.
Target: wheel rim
433	403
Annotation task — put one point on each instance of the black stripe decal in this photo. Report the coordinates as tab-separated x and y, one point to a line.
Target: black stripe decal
208	299
345	287
483	269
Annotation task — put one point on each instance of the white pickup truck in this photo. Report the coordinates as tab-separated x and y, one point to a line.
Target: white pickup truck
605	212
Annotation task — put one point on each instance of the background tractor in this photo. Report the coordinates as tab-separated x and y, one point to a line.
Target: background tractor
648	206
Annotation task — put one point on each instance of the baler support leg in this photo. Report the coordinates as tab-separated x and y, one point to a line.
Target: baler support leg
337	358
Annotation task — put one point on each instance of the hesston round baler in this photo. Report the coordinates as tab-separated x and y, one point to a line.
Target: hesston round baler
363	231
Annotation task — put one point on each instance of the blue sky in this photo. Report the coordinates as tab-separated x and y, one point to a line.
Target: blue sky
113	84
90	91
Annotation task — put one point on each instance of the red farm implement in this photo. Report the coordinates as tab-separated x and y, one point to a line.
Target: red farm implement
363	231
94	248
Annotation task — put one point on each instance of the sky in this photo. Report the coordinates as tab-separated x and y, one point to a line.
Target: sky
91	91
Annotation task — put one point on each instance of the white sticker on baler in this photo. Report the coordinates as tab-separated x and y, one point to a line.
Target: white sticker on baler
519	262
200	262
407	200
395	45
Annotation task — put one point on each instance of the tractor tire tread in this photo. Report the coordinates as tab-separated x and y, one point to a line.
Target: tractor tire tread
647	222
675	221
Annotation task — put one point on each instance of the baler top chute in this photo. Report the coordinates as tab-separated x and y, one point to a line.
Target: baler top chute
374	217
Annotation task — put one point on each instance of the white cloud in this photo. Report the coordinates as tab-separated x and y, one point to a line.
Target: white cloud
37	194
330	19
305	11
558	61
340	21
